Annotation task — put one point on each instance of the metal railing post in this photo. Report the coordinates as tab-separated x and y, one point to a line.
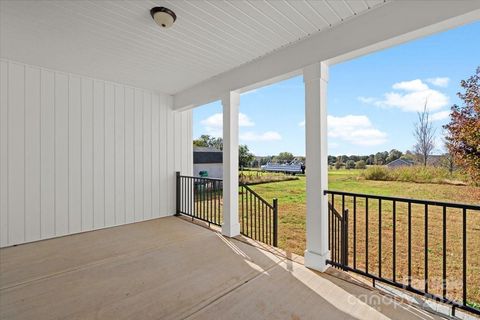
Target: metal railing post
275	222
177	194
345	239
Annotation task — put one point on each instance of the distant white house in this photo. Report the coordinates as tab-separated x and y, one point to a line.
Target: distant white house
209	160
400	163
292	167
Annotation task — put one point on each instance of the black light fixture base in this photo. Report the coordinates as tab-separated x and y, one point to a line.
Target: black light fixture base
154	10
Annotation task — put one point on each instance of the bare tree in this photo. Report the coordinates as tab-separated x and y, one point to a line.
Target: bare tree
425	135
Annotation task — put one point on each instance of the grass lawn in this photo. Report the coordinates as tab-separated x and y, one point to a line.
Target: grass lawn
292	210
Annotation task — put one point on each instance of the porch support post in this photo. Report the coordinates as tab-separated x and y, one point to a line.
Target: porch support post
315	78
231	225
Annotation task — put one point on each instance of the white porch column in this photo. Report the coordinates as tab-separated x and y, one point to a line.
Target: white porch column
315	78
231	225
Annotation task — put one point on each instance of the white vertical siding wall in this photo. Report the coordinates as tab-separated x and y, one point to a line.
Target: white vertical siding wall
78	154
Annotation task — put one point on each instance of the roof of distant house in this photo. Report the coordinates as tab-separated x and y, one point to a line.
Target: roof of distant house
400	162
435	159
205	149
207	155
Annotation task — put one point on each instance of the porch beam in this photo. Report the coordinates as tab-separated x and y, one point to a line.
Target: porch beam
231	104
315	78
390	24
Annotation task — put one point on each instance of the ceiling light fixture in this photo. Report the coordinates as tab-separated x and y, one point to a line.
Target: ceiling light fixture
162	16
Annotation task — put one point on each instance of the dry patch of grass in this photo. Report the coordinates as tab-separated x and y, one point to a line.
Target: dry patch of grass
418	174
259	177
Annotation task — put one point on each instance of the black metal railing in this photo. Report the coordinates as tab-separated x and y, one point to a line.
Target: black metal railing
258	218
426	247
202	199
338	235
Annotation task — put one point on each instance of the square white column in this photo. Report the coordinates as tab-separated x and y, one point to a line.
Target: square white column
231	104
315	78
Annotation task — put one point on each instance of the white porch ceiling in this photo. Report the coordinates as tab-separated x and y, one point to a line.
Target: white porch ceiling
118	40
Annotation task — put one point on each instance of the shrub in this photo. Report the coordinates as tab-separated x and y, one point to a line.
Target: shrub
338	164
419	174
377	173
350	164
360	164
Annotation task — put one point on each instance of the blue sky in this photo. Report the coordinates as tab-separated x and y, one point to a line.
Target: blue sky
372	100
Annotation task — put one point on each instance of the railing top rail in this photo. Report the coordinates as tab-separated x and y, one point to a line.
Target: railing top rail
201	178
257	195
334	211
408	200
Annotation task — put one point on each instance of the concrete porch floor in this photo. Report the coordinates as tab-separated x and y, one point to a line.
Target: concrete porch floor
170	268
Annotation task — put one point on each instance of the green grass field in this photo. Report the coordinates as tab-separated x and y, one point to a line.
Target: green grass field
292	211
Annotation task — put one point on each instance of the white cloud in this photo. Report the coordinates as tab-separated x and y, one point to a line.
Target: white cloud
413	85
244	120
411	97
216	120
214	132
266	136
357	130
439	81
354	129
441	115
214	123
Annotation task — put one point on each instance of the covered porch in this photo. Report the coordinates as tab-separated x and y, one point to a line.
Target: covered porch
96	120
171	268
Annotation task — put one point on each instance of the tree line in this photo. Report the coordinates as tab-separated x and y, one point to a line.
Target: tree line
379	158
